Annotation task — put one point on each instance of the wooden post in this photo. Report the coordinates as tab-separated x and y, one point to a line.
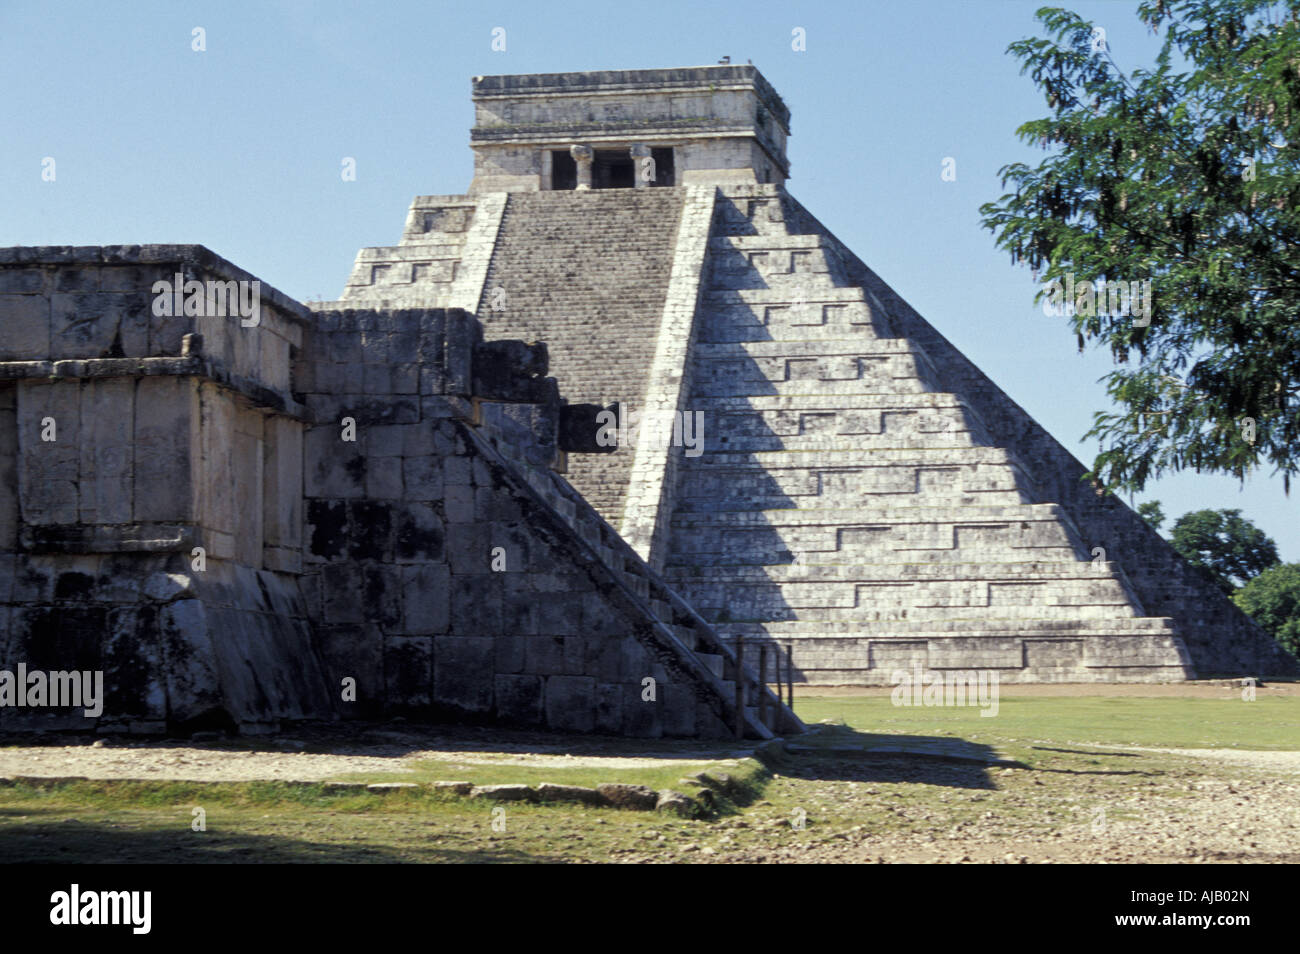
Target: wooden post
762	683
740	687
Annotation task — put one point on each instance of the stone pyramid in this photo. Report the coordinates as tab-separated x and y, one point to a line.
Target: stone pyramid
842	480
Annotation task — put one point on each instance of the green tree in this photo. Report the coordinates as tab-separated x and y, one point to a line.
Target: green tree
1224	545
1152	513
1186	173
1272	599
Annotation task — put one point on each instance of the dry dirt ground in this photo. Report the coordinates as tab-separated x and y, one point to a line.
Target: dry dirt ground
1172	808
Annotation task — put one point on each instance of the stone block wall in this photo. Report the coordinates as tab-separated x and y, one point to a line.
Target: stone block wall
310	517
442	582
149	506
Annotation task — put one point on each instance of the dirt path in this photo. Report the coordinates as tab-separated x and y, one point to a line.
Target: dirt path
181	761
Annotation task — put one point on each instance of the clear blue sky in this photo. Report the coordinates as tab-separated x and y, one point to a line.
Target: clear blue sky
239	147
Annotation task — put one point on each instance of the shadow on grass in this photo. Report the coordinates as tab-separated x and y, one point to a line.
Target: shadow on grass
71	841
846	754
1118	755
887	769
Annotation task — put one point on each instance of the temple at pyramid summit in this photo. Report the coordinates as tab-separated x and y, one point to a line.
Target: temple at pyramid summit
861	492
621	440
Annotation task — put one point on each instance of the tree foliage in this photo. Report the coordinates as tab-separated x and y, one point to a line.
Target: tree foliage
1224	545
1272	599
1152	513
1187	173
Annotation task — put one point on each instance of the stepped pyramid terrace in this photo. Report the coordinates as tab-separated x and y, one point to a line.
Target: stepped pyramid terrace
614	442
863	493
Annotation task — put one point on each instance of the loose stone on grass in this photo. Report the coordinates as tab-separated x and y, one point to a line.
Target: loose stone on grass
550	792
675	803
624	795
504	793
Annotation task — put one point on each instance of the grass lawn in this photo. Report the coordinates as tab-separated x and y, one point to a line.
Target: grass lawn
1266	723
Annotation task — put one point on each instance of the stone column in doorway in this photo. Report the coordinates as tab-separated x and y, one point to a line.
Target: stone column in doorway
583	155
643	166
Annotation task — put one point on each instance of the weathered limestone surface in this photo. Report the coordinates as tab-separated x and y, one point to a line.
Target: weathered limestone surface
869	497
865	494
555	276
424	268
133	440
573	267
725	123
449	565
351	513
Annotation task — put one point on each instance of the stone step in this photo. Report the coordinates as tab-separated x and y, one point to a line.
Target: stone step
821	346
686	635
776	240
891	515
1169	668
693	497
763	311
813	401
714	664
847	478
896	574
726	593
836	536
803	429
772	604
1011	651
713	438
748	383
731	265
956	458
832	374
793	553
861	412
718	300
421	251
798	629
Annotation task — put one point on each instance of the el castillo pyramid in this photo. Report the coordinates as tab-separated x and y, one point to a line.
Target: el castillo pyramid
863	493
615	442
